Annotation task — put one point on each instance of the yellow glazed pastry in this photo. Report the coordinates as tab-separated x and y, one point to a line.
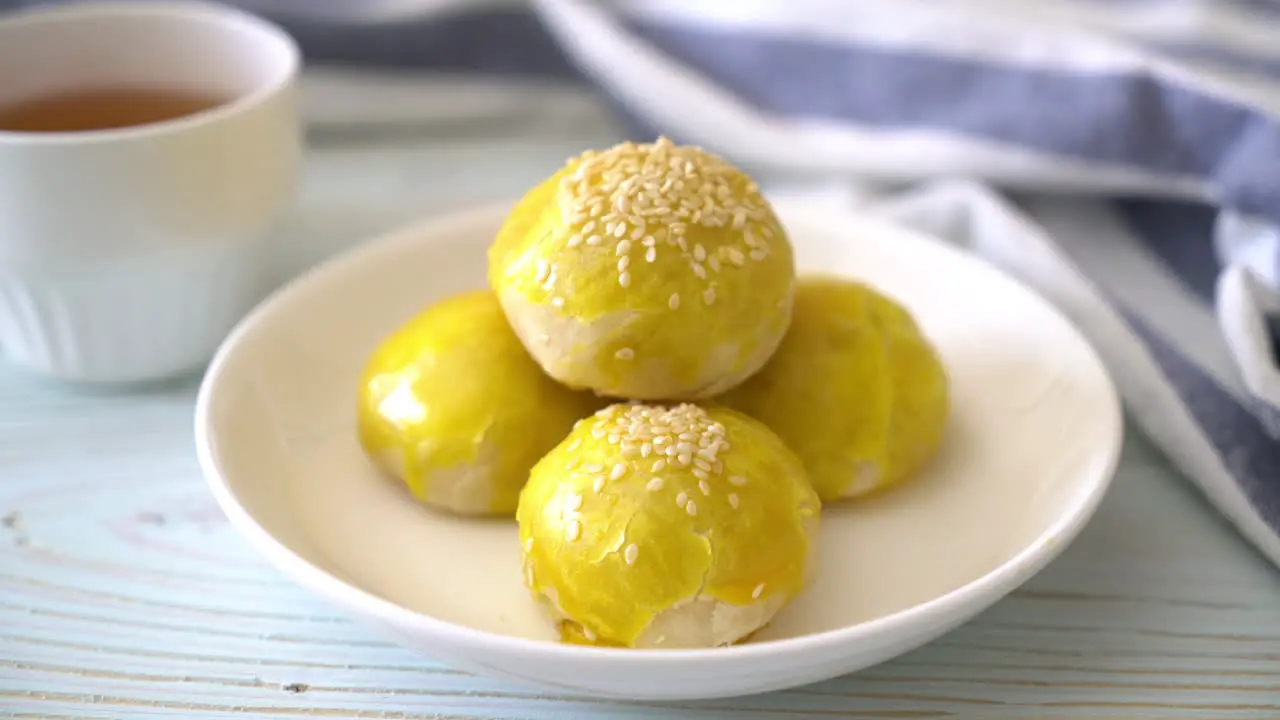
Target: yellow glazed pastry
667	527
452	405
855	389
646	271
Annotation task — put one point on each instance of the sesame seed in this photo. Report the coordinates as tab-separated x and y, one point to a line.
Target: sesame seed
528	545
714	263
614	438
755	594
575	241
543	269
625	279
700	271
674	301
686	447
591	225
573	530
623	263
630	554
736	257
685	459
557	302
709	296
691	507
625	354
699	253
598	433
682	498
618	471
701	464
759	255
624	247
594	240
573	502
704	487
700	474
593	467
733	500
659	464
737	480
598	484
646	449
619	229
577	443
654	485
650	255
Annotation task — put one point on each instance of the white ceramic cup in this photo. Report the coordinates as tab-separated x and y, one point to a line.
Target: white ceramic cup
128	254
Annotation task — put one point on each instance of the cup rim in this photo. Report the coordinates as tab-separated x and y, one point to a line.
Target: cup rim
187	9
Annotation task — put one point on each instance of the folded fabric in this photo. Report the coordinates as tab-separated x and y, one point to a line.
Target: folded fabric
1121	157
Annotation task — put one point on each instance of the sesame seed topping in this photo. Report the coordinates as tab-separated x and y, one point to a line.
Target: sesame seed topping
598	484
618	471
759	255
543	269
674	301
646	449
736	257
557	302
691	507
650	255
575	241
737	480
659	464
700	474
639	191
573	502
573	530
597	433
704	487
623	263
630	554
755	594
625	279
733	500
596	467
577	443
655	484
682	498
625	354
709	296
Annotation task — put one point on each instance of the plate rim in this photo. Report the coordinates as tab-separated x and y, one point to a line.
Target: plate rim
962	602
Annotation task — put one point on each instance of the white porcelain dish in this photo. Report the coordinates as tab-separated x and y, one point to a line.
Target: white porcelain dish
1035	438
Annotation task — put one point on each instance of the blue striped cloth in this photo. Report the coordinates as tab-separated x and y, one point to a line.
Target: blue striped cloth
1122	156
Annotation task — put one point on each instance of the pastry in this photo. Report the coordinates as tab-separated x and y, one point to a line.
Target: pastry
855	388
453	406
646	271
667	527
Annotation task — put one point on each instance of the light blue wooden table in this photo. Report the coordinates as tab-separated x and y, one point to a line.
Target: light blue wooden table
125	594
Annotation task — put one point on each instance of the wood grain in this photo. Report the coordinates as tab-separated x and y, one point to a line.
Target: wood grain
124	592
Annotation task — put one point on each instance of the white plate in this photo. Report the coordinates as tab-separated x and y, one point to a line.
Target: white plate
1034	440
